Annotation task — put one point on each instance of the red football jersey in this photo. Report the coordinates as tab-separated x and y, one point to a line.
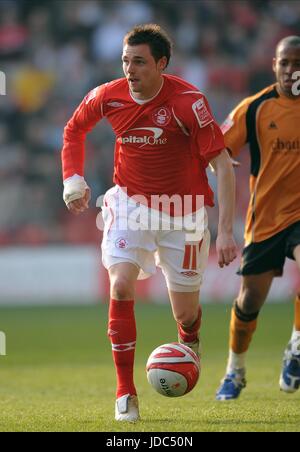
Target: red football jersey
163	146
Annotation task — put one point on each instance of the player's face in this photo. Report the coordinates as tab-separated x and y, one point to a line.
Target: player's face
143	73
287	62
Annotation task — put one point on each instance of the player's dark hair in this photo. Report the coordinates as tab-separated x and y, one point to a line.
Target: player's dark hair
153	35
289	41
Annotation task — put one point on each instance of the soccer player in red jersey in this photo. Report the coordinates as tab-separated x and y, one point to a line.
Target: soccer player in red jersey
166	137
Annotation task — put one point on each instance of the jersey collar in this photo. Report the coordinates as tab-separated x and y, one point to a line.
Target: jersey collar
145	101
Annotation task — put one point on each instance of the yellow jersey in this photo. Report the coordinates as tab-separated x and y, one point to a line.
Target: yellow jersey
270	124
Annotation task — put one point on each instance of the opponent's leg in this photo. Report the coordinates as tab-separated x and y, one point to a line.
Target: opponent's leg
290	374
122	334
297	301
187	313
253	293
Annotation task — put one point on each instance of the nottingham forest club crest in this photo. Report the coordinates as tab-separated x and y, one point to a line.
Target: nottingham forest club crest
121	243
161	116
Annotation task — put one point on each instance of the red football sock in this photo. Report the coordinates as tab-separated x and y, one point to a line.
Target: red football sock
122	334
190	333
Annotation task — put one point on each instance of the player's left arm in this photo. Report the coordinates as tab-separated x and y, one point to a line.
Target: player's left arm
225	244
208	144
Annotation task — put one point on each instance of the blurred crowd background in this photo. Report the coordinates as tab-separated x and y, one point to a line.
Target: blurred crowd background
54	52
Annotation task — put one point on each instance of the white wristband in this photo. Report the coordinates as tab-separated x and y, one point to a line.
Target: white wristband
74	188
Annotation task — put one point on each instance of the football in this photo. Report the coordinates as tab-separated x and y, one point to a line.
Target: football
173	369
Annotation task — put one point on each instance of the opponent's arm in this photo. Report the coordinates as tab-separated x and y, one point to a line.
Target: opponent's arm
225	244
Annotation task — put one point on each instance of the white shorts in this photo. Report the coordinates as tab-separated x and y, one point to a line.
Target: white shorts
181	259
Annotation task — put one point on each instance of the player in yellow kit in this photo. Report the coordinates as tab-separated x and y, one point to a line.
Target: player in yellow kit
269	122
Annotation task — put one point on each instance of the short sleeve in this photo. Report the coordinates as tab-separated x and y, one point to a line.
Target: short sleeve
207	140
234	129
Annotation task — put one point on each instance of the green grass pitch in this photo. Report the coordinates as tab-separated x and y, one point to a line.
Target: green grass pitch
58	374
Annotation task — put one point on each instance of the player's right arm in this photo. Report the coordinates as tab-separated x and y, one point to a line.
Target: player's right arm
76	191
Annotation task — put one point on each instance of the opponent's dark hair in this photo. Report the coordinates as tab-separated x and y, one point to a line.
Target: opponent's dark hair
289	41
153	35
